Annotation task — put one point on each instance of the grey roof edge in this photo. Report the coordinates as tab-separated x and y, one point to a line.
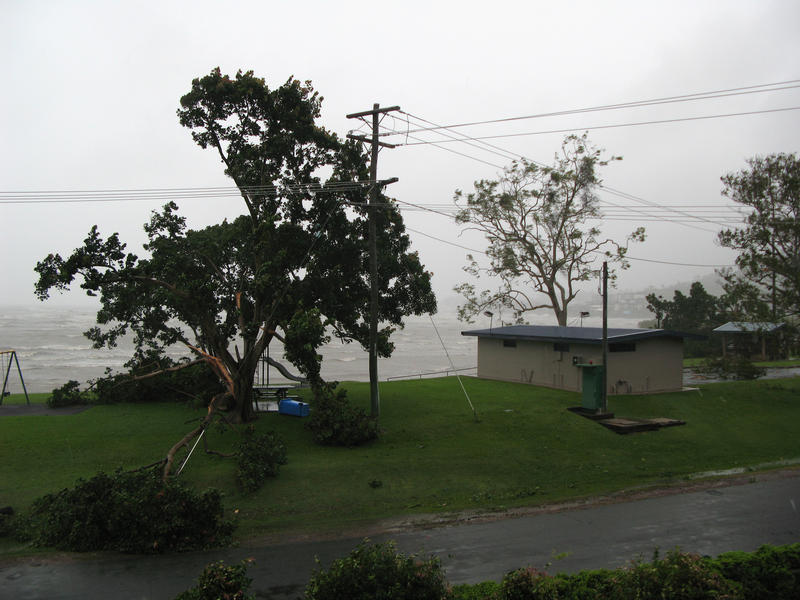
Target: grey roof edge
590	335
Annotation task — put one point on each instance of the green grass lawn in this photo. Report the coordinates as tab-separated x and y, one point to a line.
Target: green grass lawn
791	362
432	457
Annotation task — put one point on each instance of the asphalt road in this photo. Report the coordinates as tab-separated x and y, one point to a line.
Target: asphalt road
709	521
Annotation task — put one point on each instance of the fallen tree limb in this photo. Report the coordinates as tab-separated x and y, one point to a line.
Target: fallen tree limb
184	441
216	452
177	367
150	466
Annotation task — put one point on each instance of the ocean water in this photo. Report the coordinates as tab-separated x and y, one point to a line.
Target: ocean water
52	349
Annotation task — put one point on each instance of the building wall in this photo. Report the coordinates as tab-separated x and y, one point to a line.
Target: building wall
656	365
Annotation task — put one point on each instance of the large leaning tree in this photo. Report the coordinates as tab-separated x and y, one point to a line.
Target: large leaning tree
292	267
538	223
767	283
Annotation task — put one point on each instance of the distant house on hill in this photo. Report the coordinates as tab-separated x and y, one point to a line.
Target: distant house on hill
640	361
755	340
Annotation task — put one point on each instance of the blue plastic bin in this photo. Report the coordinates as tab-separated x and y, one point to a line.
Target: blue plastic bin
294	408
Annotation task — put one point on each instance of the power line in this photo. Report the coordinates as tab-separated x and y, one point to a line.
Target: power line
427	208
754	89
160	194
496	150
443	241
505	154
483	146
666	262
613	126
649	260
480	160
624	214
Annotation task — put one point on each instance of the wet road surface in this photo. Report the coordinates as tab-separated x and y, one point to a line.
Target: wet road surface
709	521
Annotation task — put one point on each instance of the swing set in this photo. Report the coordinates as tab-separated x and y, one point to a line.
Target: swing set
6	358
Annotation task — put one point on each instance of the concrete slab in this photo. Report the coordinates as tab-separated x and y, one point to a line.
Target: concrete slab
624	426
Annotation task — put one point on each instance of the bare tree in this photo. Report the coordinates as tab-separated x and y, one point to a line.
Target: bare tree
536	220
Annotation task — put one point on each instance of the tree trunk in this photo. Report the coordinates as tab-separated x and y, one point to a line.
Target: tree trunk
243	396
238	380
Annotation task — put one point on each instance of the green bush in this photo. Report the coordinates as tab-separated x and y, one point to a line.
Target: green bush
486	590
732	367
68	394
588	585
679	576
532	584
127	512
336	422
379	571
260	455
770	572
219	581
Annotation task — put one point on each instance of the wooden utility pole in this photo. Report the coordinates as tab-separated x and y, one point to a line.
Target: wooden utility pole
374	395
605	337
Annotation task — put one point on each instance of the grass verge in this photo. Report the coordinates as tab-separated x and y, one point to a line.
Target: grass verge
792	362
524	449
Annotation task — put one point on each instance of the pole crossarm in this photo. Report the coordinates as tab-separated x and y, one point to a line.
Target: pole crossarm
374	111
363	138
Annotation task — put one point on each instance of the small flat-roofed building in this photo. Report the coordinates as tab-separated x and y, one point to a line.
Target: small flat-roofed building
640	361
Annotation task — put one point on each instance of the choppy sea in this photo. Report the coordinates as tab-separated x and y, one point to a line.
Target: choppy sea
52	349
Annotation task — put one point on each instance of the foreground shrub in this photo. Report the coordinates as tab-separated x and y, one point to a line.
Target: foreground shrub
68	394
260	455
218	581
770	572
679	576
336	422
589	585
531	584
379	571
486	590
127	512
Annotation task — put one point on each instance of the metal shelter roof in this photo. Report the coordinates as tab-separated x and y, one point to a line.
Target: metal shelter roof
586	335
747	327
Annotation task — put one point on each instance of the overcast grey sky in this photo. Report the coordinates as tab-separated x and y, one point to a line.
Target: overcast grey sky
90	90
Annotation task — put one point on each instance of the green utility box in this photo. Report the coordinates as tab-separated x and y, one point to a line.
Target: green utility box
592	387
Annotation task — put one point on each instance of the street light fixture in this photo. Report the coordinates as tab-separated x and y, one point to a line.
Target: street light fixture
490	314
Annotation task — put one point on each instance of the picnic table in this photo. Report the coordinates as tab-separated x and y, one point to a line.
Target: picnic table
278	391
267	397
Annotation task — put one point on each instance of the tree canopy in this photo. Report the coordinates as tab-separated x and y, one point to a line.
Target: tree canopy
293	267
698	312
537	220
768	277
